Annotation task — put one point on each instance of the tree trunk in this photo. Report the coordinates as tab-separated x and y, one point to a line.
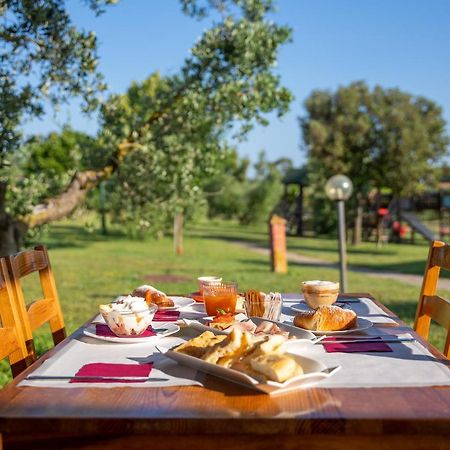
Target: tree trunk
178	233
357	230
12	231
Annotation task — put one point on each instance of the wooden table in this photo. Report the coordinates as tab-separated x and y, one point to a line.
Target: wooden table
224	416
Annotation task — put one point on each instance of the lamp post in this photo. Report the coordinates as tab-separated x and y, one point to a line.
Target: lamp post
339	188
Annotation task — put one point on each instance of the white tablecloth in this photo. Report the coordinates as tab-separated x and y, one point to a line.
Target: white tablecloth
410	364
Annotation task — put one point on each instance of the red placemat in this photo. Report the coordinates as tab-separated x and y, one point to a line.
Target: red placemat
166	316
332	345
112	370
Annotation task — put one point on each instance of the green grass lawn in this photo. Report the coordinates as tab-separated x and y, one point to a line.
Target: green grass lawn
91	269
392	257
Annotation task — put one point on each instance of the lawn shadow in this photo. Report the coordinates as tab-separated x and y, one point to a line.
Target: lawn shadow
75	236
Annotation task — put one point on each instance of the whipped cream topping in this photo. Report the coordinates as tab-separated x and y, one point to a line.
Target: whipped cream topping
127	304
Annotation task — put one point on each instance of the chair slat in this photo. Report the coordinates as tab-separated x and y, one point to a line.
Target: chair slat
438	308
28	262
431	306
40	312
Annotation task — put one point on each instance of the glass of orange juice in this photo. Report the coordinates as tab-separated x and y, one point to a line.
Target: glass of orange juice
220	296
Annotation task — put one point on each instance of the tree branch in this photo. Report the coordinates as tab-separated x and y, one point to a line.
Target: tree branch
82	182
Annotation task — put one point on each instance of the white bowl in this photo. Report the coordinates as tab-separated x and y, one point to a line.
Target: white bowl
128	323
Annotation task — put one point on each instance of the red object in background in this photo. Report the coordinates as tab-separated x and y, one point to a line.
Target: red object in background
383	211
401	230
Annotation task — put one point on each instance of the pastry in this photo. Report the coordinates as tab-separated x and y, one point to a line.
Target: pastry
261	358
276	367
153	295
226	348
326	318
198	346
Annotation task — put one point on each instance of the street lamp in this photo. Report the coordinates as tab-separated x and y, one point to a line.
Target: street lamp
339	188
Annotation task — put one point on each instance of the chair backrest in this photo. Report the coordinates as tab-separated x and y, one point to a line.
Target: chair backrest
431	306
11	336
44	310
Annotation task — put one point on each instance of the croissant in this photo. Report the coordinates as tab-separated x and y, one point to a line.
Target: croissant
326	318
152	295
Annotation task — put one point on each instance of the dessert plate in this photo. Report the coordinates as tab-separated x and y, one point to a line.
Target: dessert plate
179	302
314	371
167	329
361	324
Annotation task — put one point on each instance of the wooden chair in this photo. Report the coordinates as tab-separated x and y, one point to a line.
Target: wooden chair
431	306
39	312
11	336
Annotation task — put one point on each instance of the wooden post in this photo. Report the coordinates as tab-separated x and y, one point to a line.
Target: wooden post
102	202
277	232
300	200
178	233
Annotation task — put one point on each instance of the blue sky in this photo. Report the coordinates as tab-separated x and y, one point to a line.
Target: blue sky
394	43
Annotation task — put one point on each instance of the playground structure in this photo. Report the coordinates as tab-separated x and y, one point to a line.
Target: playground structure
385	218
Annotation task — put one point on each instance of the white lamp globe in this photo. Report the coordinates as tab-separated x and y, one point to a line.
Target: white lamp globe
339	187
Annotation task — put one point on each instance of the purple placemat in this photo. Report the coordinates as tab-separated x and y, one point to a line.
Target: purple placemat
104	331
332	345
112	370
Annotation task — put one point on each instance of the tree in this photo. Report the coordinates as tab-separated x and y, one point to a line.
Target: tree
226	86
43	58
228	80
372	136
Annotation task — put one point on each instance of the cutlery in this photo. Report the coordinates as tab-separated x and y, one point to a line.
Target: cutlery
330	370
366	338
369	341
87	378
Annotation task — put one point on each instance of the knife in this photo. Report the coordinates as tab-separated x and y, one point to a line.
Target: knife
89	377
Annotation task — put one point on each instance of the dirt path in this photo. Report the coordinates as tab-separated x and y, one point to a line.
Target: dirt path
311	261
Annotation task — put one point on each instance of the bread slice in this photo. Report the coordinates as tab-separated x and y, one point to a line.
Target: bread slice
198	346
247	343
225	348
275	367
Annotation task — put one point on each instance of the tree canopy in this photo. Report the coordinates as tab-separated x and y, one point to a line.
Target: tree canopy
43	58
378	137
181	125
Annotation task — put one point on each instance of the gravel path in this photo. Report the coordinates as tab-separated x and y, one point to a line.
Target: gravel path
311	261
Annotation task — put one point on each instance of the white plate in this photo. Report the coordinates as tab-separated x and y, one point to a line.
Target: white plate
170	328
361	324
200	324
179	302
313	373
298	333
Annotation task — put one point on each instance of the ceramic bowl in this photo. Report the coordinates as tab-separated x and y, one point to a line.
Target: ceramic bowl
319	293
128	323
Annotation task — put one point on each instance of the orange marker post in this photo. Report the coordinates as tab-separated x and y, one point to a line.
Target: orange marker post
277	232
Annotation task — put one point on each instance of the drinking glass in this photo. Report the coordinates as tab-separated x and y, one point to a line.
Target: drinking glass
220	296
206	280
